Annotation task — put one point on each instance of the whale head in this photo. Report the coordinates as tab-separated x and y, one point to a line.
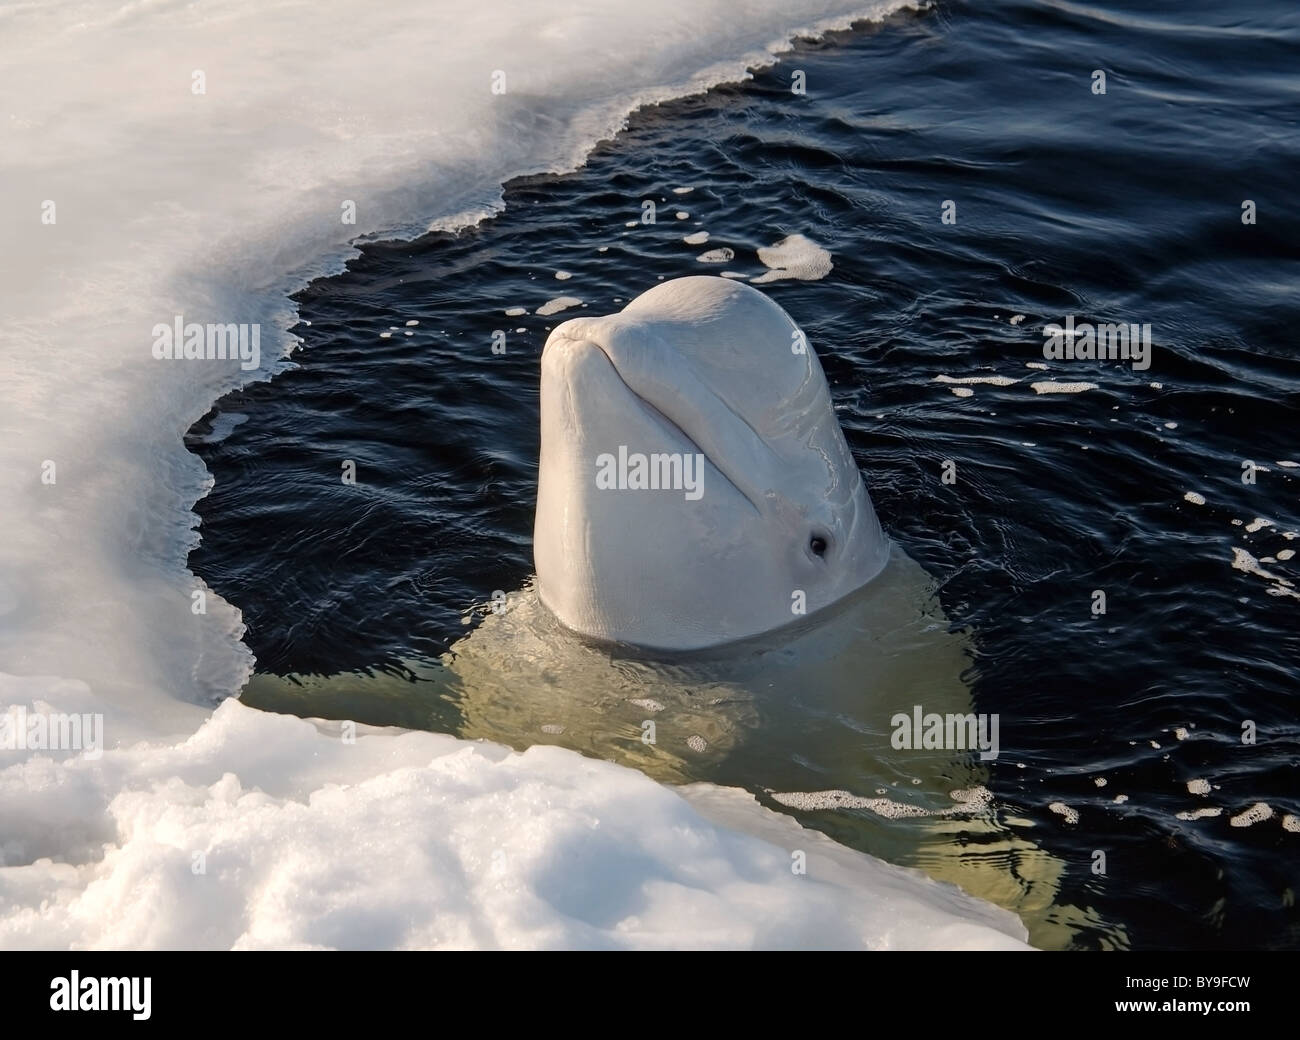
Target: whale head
694	486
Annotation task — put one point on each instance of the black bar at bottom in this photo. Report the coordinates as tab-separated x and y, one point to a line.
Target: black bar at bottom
334	990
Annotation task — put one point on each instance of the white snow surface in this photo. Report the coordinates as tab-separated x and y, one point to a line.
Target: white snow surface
266	830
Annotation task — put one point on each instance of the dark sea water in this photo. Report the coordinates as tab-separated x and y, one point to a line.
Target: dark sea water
1122	207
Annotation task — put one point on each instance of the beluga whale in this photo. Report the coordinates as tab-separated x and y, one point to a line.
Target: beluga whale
694	486
714	599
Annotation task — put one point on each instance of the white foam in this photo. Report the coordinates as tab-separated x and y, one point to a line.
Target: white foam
563	276
1244	561
514	312
968	801
696	239
1291	823
1181	733
1200	814
682	191
1288	464
697	744
716	256
648	703
795	256
1285	554
1195	498
681	214
1036	364
1257	813
1061	809
976	380
962	391
1016	319
817	801
560	303
1258	524
1198	786
1052	386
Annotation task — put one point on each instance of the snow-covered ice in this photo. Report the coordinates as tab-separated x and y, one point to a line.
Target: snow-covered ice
265	830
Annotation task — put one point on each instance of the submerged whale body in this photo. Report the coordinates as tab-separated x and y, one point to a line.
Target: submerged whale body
694	486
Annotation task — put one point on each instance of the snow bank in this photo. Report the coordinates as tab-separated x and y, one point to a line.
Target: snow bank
270	831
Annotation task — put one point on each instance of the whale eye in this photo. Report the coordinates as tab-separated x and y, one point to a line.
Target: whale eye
818	545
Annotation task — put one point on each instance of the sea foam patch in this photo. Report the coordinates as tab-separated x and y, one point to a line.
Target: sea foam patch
1056	386
1257	813
966	802
560	303
795	256
976	380
1244	561
1207	812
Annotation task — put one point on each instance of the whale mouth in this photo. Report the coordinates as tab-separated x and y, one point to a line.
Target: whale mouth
657	411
